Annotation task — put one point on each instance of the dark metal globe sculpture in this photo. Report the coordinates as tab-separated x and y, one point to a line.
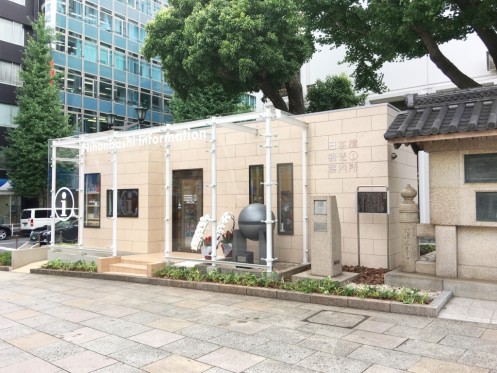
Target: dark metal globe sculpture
250	221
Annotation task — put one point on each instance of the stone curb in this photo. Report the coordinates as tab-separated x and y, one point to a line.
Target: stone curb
427	310
5	268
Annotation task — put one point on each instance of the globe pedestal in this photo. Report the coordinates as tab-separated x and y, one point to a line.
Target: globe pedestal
252	227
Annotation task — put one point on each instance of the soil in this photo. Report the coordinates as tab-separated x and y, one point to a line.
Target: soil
370	276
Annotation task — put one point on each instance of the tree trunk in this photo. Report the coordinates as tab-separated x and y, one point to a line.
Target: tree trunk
486	34
489	38
457	77
273	94
295	95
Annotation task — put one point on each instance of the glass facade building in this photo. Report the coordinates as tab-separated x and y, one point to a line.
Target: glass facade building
98	53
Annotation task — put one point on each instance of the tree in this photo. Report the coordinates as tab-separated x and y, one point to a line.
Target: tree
39	119
243	45
335	92
379	31
206	102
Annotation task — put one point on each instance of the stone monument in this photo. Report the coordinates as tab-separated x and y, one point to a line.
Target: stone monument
325	236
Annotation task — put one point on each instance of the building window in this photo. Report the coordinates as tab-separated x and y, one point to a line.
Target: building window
92	201
120	59
61	6
133	64
119	93
145	6
167	104
156	103
90	121
60	40
256	184
105	89
9	73
144	98
145	69
11	32
73	81
75	9
105	54
248	100
156	72
91	50
133	31
74	115
480	168
127	203
133	95
156	6
285	198
119	26
74	44
105	20
90	86
486	206
91	14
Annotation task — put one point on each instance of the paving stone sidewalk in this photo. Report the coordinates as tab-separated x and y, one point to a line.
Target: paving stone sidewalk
60	324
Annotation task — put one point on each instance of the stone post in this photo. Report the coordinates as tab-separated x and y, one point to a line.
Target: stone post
408	218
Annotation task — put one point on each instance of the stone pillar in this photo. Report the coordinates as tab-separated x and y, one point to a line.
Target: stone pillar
408	218
326	237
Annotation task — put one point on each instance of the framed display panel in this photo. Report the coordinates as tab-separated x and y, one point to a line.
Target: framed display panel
480	168
127	203
285	198
256	184
92	201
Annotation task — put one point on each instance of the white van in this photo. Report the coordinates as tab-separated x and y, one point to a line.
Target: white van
37	218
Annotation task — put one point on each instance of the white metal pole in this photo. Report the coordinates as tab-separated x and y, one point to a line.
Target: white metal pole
305	217
81	193
269	218
167	212
114	203
213	188
54	180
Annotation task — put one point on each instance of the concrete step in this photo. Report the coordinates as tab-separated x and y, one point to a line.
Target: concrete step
413	280
128	274
139	269
425	267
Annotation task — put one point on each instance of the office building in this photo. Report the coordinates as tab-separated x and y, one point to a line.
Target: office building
15	26
98	52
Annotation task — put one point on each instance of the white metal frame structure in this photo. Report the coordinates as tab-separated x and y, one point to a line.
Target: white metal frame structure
238	122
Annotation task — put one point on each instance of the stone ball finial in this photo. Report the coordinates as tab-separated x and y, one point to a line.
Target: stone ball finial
408	193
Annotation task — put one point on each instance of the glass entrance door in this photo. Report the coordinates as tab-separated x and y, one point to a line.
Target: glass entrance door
187	206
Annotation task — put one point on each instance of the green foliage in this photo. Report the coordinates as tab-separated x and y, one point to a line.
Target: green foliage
6	258
335	92
308	286
426	248
243	45
375	32
39	119
206	102
80	265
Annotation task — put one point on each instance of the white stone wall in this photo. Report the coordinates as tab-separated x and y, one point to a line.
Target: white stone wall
346	149
453	204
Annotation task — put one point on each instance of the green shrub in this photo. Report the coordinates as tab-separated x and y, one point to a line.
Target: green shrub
80	265
308	286
6	258
426	248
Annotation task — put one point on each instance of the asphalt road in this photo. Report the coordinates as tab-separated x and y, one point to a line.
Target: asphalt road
14	242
